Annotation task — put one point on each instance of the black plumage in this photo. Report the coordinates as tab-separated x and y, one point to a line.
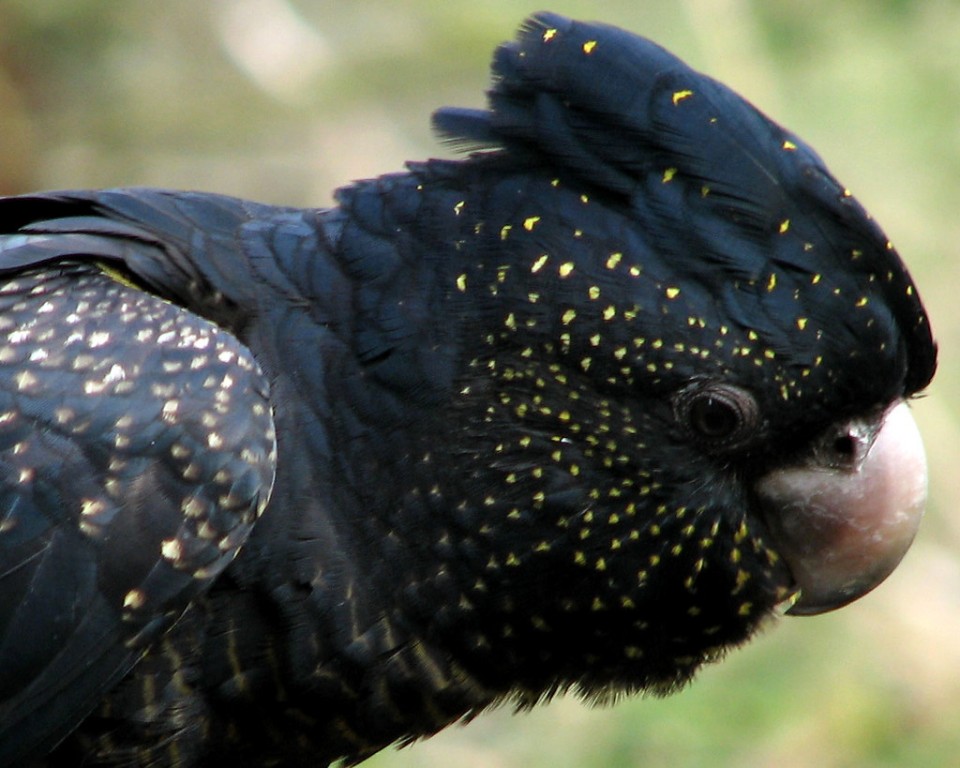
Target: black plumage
513	416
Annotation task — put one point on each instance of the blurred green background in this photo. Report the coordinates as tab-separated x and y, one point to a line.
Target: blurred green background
283	100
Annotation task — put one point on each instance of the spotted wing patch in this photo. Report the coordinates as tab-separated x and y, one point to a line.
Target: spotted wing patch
136	453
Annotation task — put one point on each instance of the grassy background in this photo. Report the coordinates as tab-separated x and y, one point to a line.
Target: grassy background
282	100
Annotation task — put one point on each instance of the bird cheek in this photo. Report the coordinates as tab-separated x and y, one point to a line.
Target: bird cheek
842	529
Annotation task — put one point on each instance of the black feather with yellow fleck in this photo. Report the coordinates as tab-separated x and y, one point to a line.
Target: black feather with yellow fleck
547	418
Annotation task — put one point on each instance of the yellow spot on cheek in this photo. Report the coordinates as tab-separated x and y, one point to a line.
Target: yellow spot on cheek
589	46
594	292
679	96
609	313
672	292
566	268
568	316
669	174
772	282
538	264
801	323
530	223
505	231
614	260
784	225
459	207
462	283
549	34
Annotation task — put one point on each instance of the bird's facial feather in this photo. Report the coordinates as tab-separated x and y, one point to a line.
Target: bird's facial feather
676	299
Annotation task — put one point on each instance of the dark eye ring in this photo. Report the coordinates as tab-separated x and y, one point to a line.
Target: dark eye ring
719	415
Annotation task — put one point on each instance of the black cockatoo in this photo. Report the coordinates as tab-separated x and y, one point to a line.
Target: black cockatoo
577	412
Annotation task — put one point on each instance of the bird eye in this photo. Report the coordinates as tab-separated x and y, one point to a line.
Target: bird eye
722	416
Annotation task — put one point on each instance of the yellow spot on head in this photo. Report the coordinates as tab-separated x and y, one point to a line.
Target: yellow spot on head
594	292
589	46
505	231
549	34
862	302
679	96
566	268
613	260
789	145
459	207
538	264
784	225
801	323
567	317
669	174
530	223
462	283
672	292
